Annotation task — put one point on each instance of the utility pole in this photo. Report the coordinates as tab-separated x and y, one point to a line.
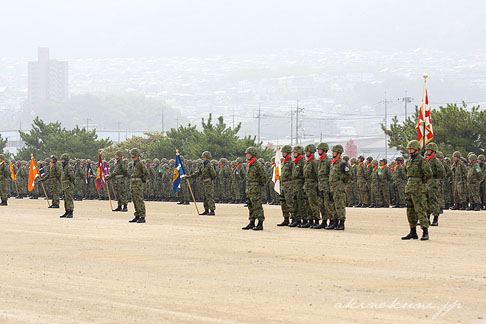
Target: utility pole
291	126
177	122
297	110
118	131
406	100
233	118
385	102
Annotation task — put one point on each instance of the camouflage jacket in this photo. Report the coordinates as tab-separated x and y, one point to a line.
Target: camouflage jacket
418	173
323	173
340	174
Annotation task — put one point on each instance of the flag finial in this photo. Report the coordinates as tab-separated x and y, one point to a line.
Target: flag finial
425	75
31	155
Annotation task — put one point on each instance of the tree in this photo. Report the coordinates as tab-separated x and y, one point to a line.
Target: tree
351	149
3	143
456	128
45	139
218	138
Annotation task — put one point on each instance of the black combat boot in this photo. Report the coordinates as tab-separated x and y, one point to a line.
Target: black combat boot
4	202
365	206
462	207
205	212
134	220
372	206
285	222
307	224
64	215
186	203
119	208
441	211
259	226
477	207
322	225
469	207
69	214
125	209
141	220
340	226
249	226
425	234
211	213
455	207
411	235
332	224
435	222
180	203
295	223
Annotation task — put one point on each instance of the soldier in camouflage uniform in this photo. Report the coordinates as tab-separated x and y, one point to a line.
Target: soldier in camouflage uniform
432	186
299	211
339	176
362	180
376	198
326	203
4	178
418	173
79	180
67	181
400	178
474	178
312	201
54	175
120	175
255	182
459	174
448	191
224	177
286	186
482	184
138	177
385	178
208	175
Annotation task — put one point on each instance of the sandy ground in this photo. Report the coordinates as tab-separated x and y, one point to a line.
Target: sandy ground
183	268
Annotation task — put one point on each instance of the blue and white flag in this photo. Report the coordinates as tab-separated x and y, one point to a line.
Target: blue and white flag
178	172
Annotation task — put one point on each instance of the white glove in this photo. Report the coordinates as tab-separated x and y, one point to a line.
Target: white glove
183	176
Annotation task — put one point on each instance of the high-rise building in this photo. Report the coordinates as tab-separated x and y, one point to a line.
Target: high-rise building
48	79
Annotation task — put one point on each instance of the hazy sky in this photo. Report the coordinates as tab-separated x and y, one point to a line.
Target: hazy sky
128	28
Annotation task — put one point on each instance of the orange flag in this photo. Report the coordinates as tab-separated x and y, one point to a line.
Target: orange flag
33	173
12	172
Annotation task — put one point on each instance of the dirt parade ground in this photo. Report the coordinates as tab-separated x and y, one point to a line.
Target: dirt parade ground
183	268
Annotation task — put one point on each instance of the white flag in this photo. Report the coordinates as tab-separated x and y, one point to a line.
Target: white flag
277	168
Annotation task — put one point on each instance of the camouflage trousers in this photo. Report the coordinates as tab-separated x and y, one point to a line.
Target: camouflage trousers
55	190
137	198
79	185
459	192
417	209
385	193
254	196
4	189
299	211
68	192
121	191
287	199
364	195
433	201
311	201
339	201
376	197
400	193
208	194
473	192
326	205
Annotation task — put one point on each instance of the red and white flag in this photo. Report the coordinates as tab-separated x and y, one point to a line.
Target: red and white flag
277	168
100	174
425	133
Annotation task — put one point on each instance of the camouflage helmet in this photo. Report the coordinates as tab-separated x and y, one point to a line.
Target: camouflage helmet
481	157
286	148
369	159
135	151
214	162
456	154
54	157
354	160
65	157
222	160
338	148
399	158
469	154
310	148
375	162
440	155
239	160
473	157
119	153
251	150
148	160
164	160
171	161
323	146
432	146
346	158
298	149
206	154
2	156
156	161
77	161
384	161
261	160
413	144
198	161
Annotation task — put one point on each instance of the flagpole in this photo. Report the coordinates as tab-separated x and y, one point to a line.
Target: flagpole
193	199
16	188
109	197
425	75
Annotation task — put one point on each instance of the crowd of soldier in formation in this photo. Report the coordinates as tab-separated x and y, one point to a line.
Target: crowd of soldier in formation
315	188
